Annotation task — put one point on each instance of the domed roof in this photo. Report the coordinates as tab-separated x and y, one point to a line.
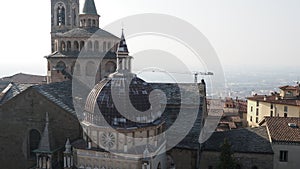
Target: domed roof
123	102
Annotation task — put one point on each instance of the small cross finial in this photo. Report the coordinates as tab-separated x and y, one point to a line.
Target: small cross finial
122	26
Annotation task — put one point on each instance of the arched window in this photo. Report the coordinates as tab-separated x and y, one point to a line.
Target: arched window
34	140
56	45
49	66
63	46
238	166
61	15
104	46
60	65
69	46
94	22
254	167
74	15
81	23
159	166
90	69
89	22
110	67
81	45
90	46
76	46
96	46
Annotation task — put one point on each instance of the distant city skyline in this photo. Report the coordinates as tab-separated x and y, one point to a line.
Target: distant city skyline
244	33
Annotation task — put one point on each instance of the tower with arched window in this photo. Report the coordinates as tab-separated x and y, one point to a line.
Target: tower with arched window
64	15
73	32
89	17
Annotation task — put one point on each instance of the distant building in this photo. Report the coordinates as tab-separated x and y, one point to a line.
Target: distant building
283	104
284	134
234	114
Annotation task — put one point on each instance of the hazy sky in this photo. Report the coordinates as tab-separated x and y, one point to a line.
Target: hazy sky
243	32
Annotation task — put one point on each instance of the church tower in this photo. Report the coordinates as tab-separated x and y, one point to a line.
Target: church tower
89	17
64	17
73	32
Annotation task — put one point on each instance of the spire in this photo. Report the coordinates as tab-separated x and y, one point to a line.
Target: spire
46	144
123	49
146	153
89	7
68	146
123	59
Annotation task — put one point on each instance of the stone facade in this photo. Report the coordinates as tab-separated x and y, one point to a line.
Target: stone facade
74	36
22	120
184	158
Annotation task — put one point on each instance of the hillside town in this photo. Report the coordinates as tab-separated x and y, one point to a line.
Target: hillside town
57	121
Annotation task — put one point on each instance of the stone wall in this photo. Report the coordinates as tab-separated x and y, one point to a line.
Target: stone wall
184	158
292	162
27	112
244	160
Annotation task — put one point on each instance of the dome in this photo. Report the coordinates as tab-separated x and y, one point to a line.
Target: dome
123	102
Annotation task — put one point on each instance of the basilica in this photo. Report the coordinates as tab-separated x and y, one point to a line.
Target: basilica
118	121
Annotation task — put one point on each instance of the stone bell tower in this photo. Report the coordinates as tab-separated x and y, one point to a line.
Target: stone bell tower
64	17
89	17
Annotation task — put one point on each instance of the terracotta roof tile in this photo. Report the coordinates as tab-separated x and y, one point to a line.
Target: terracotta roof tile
289	87
280	131
272	99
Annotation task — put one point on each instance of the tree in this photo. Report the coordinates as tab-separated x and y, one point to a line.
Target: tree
226	157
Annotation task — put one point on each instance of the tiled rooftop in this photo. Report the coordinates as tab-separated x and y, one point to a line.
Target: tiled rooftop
12	90
247	140
87	33
280	131
25	79
295	101
75	54
89	7
287	87
59	93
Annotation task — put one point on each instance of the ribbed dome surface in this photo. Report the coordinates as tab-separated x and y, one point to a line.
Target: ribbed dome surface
138	93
